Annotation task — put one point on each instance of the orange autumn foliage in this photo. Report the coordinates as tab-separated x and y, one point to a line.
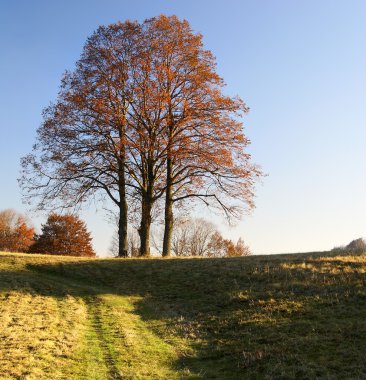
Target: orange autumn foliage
15	234
63	235
143	117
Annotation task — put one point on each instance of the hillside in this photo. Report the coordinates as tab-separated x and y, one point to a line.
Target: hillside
265	317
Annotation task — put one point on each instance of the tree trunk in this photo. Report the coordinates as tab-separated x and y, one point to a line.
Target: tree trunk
123	207
122	229
168	229
144	230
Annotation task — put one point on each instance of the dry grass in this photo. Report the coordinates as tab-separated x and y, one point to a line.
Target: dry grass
266	317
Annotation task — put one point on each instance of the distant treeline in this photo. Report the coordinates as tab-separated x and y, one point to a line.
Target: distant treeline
68	235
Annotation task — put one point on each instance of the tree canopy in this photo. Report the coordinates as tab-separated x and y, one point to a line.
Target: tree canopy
63	235
143	118
16	235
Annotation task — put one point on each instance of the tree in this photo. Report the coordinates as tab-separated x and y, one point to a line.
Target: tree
132	246
199	237
15	233
241	249
358	245
204	144
181	237
64	235
217	246
142	116
191	237
220	247
81	145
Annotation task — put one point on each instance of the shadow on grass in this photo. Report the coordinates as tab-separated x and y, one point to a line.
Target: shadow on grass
292	316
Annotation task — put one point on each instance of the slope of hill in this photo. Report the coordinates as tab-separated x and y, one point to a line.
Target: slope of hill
266	317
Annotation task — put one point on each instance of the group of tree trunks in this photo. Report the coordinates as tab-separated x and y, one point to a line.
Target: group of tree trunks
142	120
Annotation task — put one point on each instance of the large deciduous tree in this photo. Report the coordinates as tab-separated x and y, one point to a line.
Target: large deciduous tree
81	145
143	116
193	145
203	145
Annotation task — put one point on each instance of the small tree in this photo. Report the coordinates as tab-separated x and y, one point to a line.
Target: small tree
220	247
181	237
217	245
64	235
15	234
192	236
199	237
241	249
133	247
358	245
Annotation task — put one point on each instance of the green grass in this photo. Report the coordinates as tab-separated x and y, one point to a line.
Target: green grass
266	317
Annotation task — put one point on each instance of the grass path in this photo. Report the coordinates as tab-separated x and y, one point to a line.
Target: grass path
97	335
119	343
101	340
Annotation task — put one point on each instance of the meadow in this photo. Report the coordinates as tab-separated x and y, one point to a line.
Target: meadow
298	316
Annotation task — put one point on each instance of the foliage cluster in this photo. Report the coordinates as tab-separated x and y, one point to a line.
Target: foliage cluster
61	235
15	233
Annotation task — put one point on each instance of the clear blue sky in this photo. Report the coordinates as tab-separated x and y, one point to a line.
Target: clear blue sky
299	65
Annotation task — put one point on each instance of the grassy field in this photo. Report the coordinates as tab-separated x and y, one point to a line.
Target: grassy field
266	317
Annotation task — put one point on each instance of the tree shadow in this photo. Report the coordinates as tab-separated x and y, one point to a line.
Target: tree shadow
256	317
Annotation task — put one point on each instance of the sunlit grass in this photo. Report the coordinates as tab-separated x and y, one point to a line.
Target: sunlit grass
265	317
